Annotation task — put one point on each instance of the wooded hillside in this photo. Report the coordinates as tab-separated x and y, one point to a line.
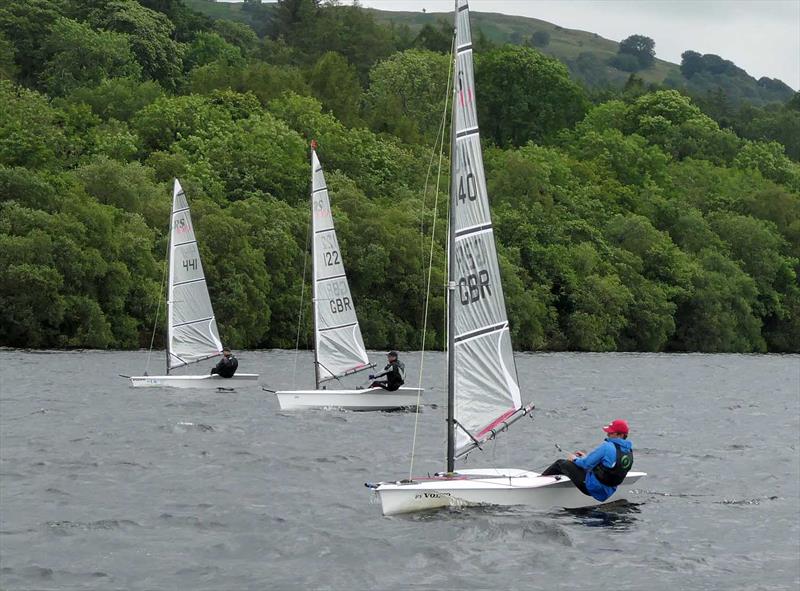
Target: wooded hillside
627	220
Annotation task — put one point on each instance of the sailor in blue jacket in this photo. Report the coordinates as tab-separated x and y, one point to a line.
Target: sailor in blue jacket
602	471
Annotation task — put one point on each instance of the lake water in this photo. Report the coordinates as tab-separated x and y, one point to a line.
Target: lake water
107	487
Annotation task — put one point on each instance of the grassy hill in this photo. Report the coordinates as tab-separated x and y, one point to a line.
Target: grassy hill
586	54
565	44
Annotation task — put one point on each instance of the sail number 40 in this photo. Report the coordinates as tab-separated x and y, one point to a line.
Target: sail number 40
470	191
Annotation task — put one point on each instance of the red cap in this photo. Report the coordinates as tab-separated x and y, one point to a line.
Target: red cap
617	426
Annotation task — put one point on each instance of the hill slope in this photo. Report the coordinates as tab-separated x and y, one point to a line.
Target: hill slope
565	44
586	54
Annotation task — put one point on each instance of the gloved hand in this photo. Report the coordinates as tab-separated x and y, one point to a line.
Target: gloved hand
371	377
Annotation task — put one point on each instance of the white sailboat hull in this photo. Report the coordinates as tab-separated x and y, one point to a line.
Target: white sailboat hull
206	382
489	487
371	399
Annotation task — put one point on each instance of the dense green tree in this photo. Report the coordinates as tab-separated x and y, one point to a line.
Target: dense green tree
261	16
627	158
186	20
407	95
761	253
77	55
238	34
718	315
336	84
241	295
391	312
641	47
670	120
151	35
8	68
691	63
256	156
25	24
211	47
128	187
438	38
525	96
30	134
778	206
113	139
296	20
263	80
354	33
117	98
378	165
781	125
168	119
770	161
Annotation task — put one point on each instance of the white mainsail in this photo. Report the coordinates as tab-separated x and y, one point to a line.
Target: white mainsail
338	342
192	329
483	392
486	387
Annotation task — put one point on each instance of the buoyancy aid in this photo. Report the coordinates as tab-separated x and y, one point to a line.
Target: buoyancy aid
615	475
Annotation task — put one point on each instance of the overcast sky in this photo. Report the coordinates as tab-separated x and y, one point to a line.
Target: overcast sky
761	36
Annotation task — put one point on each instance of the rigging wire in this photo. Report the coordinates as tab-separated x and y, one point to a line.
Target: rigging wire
302	302
439	144
158	311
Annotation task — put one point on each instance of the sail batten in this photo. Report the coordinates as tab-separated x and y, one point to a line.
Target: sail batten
338	342
490	431
192	334
486	391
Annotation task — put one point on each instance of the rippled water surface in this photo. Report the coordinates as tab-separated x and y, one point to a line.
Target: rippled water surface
106	487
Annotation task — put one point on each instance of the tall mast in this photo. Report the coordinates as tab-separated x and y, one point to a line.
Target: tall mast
170	278
314	266
451	268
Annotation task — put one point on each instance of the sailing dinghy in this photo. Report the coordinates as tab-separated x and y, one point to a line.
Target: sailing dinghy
484	398
192	334
338	345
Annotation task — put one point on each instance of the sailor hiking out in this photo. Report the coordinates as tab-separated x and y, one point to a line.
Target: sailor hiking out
602	471
227	366
394	372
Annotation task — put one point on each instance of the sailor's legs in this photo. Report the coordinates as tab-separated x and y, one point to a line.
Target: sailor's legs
575	473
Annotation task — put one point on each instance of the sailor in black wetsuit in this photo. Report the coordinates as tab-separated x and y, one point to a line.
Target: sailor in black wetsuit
394	371
227	366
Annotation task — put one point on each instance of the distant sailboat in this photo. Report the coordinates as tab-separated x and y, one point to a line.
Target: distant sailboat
338	345
192	334
484	398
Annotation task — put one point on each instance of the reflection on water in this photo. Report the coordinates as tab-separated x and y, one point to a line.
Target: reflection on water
619	515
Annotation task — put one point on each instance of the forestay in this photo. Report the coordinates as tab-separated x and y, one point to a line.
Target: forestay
486	387
192	329
338	342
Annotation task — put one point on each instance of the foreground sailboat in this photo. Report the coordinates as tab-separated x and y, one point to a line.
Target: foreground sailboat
483	393
338	345
191	327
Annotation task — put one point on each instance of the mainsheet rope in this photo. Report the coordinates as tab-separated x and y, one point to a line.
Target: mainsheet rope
438	145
